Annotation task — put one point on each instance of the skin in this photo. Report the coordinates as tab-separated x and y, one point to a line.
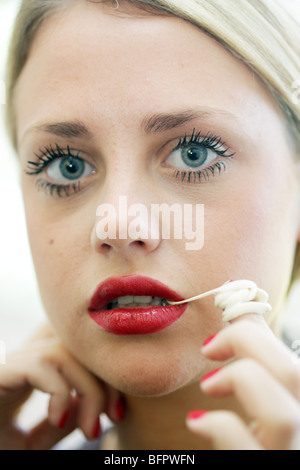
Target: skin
139	66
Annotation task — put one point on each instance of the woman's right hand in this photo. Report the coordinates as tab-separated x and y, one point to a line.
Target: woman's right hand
77	397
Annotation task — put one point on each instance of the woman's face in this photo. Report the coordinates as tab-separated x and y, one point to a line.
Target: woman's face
140	89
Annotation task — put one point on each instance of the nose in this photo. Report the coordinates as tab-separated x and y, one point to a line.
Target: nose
123	228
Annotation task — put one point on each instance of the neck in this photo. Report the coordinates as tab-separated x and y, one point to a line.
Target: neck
159	423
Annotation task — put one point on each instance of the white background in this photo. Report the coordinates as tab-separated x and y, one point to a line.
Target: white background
20	307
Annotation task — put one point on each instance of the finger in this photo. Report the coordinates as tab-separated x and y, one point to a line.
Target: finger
77	379
223	429
115	406
251	337
42	376
54	371
265	400
91	396
44	436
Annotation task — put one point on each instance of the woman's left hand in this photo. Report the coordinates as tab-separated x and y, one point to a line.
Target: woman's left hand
264	378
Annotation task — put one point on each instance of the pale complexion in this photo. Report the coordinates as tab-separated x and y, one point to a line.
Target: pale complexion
112	72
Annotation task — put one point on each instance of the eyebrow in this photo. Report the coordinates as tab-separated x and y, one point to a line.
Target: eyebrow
165	122
156	123
64	129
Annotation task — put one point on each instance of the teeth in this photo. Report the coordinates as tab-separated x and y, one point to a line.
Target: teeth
136	301
126	300
130	299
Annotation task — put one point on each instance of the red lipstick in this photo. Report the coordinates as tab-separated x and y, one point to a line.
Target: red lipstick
134	320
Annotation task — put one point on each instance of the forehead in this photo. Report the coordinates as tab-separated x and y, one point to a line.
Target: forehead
122	64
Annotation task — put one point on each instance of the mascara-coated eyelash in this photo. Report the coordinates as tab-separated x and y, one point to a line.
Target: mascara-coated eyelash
206	173
58	162
57	189
208	143
47	155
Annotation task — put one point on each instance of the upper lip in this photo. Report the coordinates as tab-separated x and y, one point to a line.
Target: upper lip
114	287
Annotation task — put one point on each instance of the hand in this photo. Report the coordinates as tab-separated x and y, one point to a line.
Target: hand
265	380
76	396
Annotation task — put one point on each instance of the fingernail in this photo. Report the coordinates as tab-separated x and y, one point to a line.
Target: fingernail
120	409
97	429
196	414
210	374
208	340
63	420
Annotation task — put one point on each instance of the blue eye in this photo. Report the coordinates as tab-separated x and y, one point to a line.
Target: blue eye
194	156
69	169
64	169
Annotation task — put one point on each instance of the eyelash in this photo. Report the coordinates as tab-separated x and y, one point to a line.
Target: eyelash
49	154
209	141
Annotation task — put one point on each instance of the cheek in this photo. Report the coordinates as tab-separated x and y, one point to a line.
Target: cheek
60	252
253	232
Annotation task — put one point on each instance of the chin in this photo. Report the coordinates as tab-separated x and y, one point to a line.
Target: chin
144	367
151	380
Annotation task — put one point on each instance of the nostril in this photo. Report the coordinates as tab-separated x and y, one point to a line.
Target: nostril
139	242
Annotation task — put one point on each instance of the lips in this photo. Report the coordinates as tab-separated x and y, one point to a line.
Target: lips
134	320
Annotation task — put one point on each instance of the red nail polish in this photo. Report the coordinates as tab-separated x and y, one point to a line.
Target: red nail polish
63	420
210	374
208	340
196	414
97	429
120	409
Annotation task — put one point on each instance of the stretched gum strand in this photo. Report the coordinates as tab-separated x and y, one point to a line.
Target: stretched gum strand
236	298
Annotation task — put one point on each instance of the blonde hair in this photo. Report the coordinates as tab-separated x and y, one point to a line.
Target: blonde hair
261	33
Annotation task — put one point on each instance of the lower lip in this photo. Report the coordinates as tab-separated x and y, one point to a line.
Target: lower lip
138	320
